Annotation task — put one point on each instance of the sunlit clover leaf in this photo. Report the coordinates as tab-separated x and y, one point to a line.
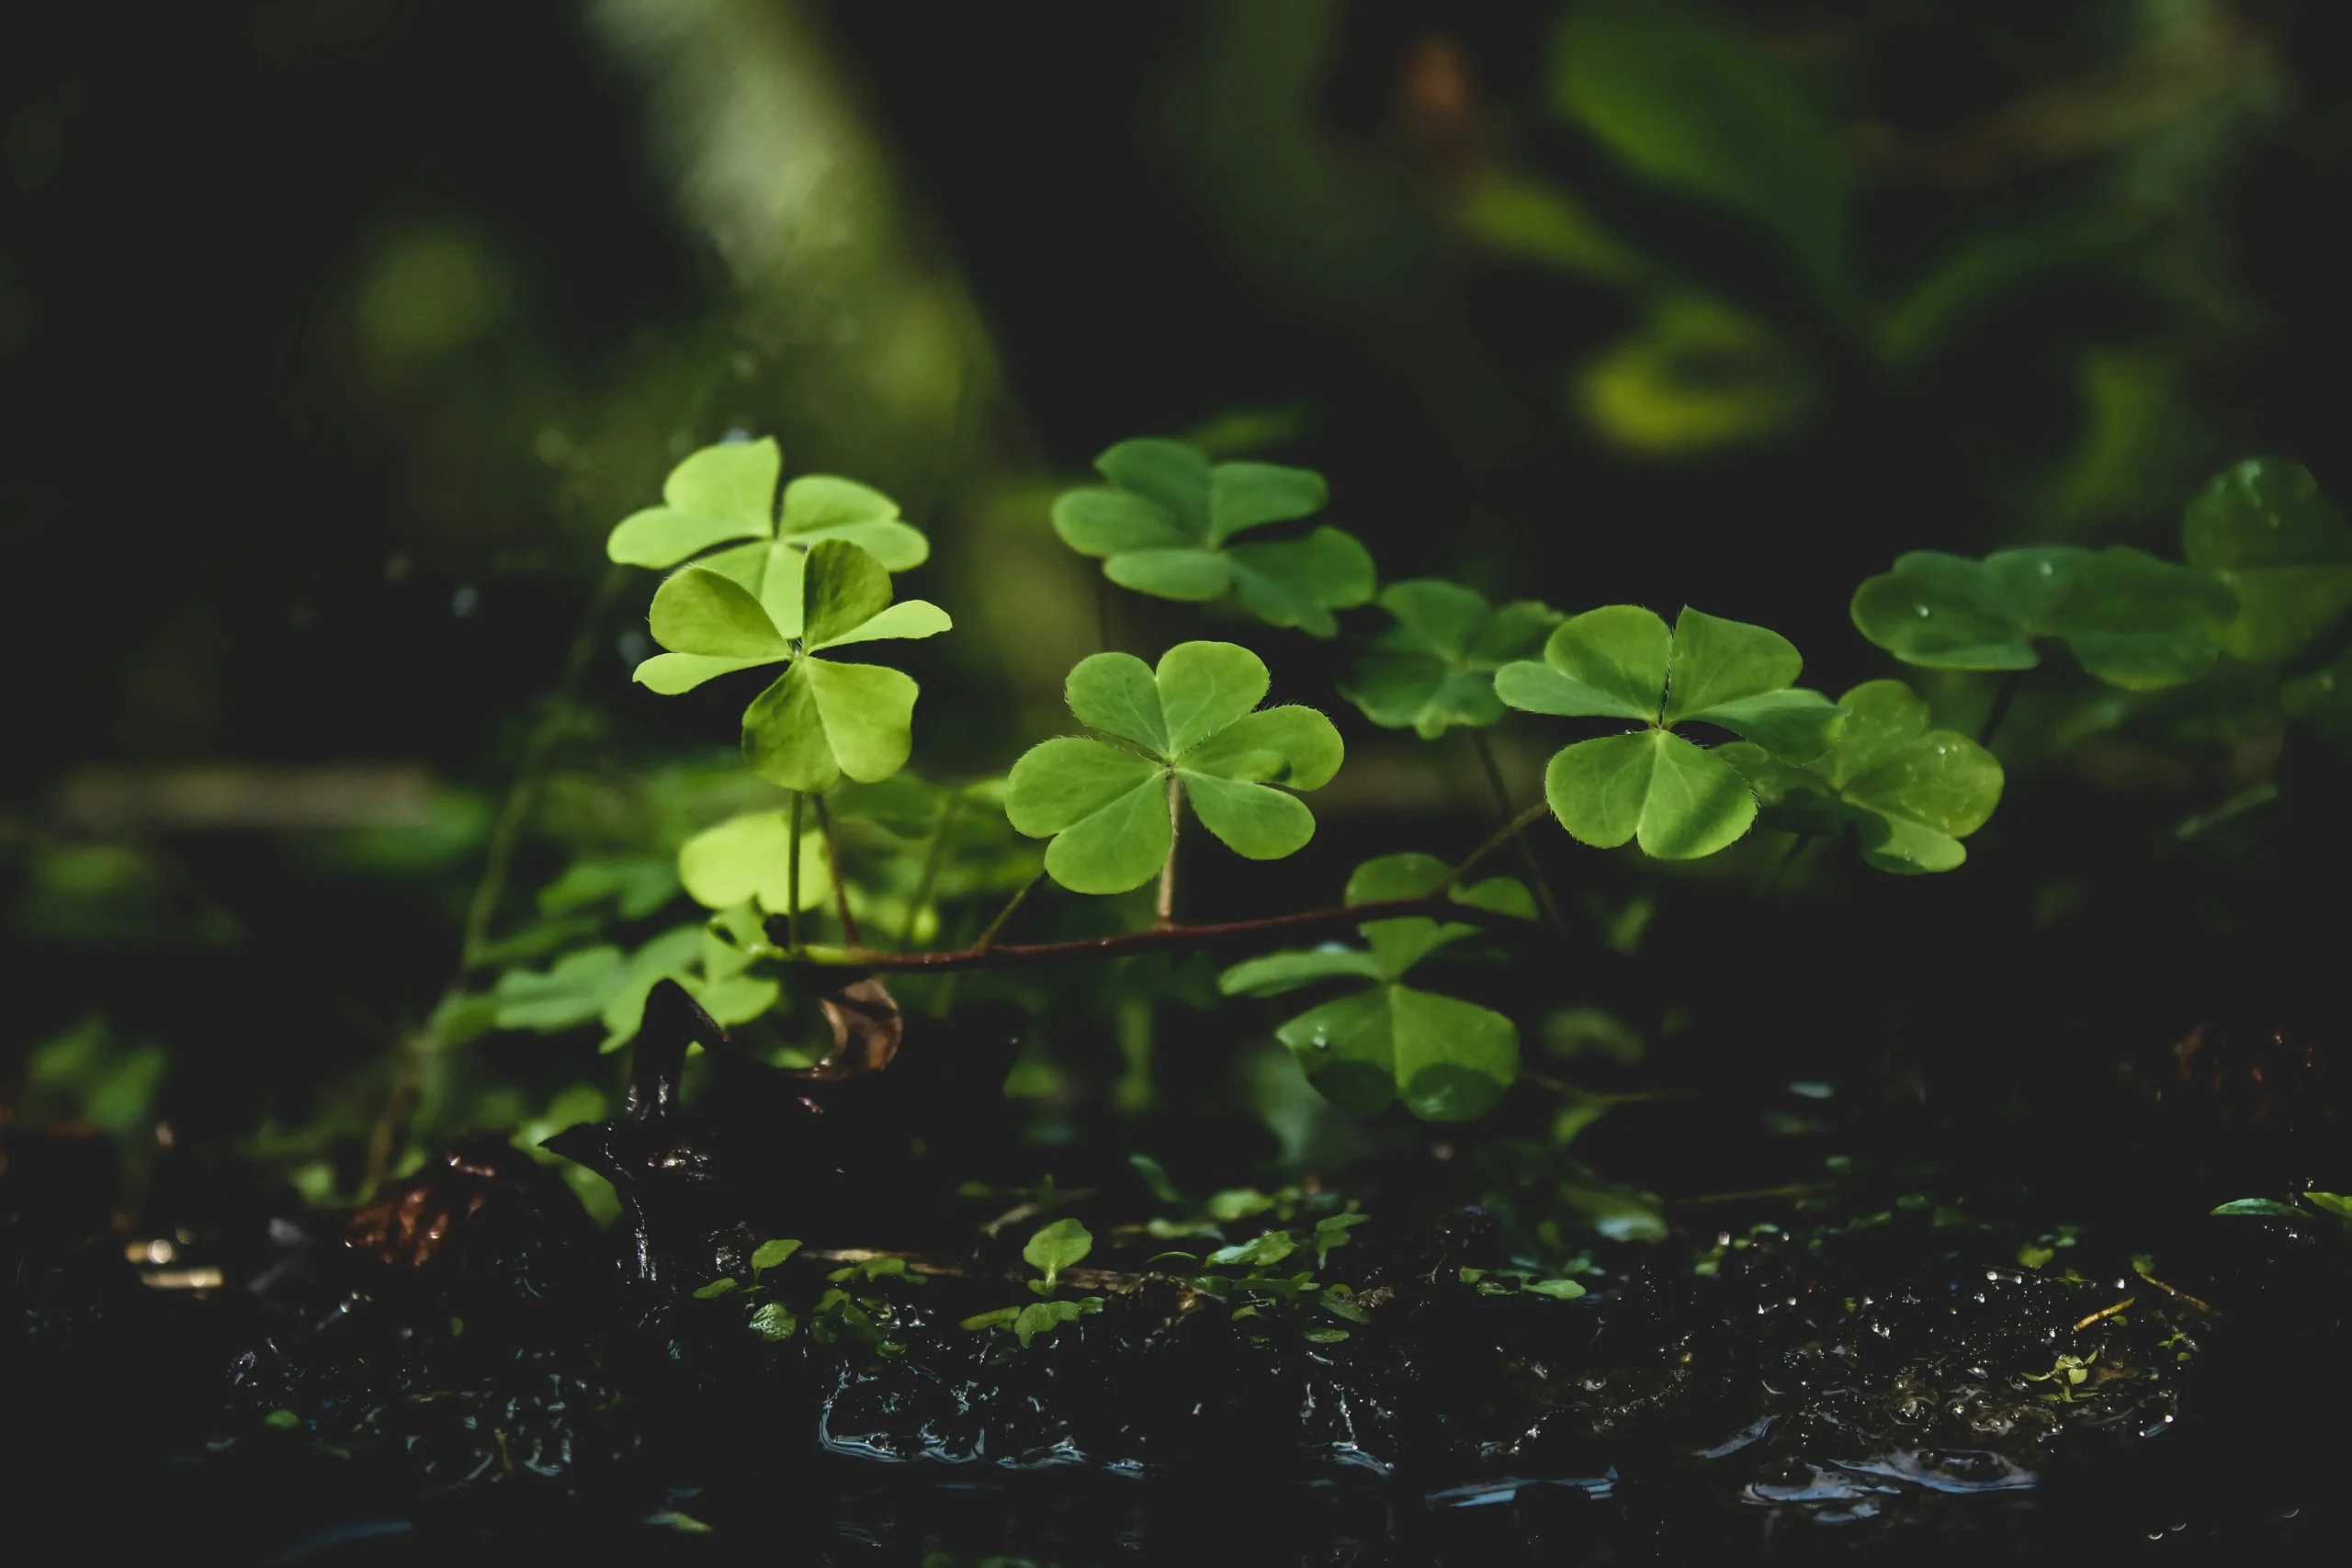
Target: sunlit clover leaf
1165	524
1678	800
1435	668
2263	527
1194	720
748	858
1448	1060
728	493
1910	793
2129	619
821	719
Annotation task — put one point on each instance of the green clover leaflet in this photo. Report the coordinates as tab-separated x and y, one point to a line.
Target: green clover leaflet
1192	727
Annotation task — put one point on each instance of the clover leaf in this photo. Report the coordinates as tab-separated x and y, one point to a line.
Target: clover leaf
2265	530
1910	793
1192	727
1165	523
728	493
604	984
1448	1060
1057	1247
2129	619
1435	667
819	719
1680	800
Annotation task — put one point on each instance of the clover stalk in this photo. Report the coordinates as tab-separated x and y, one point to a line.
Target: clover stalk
1526	851
833	870
986	952
792	880
932	860
1166	908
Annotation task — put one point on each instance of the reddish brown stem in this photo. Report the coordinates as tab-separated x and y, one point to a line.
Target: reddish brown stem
987	952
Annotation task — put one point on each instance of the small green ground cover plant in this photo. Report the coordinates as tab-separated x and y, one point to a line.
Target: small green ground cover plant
1697	733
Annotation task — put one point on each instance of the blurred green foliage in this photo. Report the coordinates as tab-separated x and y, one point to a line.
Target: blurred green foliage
354	819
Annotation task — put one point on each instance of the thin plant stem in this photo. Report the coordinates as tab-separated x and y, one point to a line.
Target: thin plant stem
522	794
932	860
792	879
1526	851
987	942
987	951
498	869
833	870
1166	909
1798	844
1497	840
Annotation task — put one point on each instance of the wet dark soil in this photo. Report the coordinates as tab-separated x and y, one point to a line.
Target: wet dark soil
468	1370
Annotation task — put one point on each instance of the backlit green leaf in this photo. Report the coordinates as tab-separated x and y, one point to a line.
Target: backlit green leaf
1171	475
699	612
2129	619
1678	801
1116	694
1911	793
748	858
1295	747
1606	663
1103	523
1204	687
1280	972
1249	495
1043	1317
842	587
2140	622
820	720
729	492
822	506
1061	1244
719	493
570	993
1448	1060
1163	525
1107	808
1061	782
1435	668
1714	662
1189	576
1258	1252
1252	820
1298	582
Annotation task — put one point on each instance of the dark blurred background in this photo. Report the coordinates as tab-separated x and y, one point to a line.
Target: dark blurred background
336	333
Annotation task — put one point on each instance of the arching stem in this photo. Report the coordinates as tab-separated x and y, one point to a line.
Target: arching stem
833	870
987	952
987	942
1550	904
932	860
